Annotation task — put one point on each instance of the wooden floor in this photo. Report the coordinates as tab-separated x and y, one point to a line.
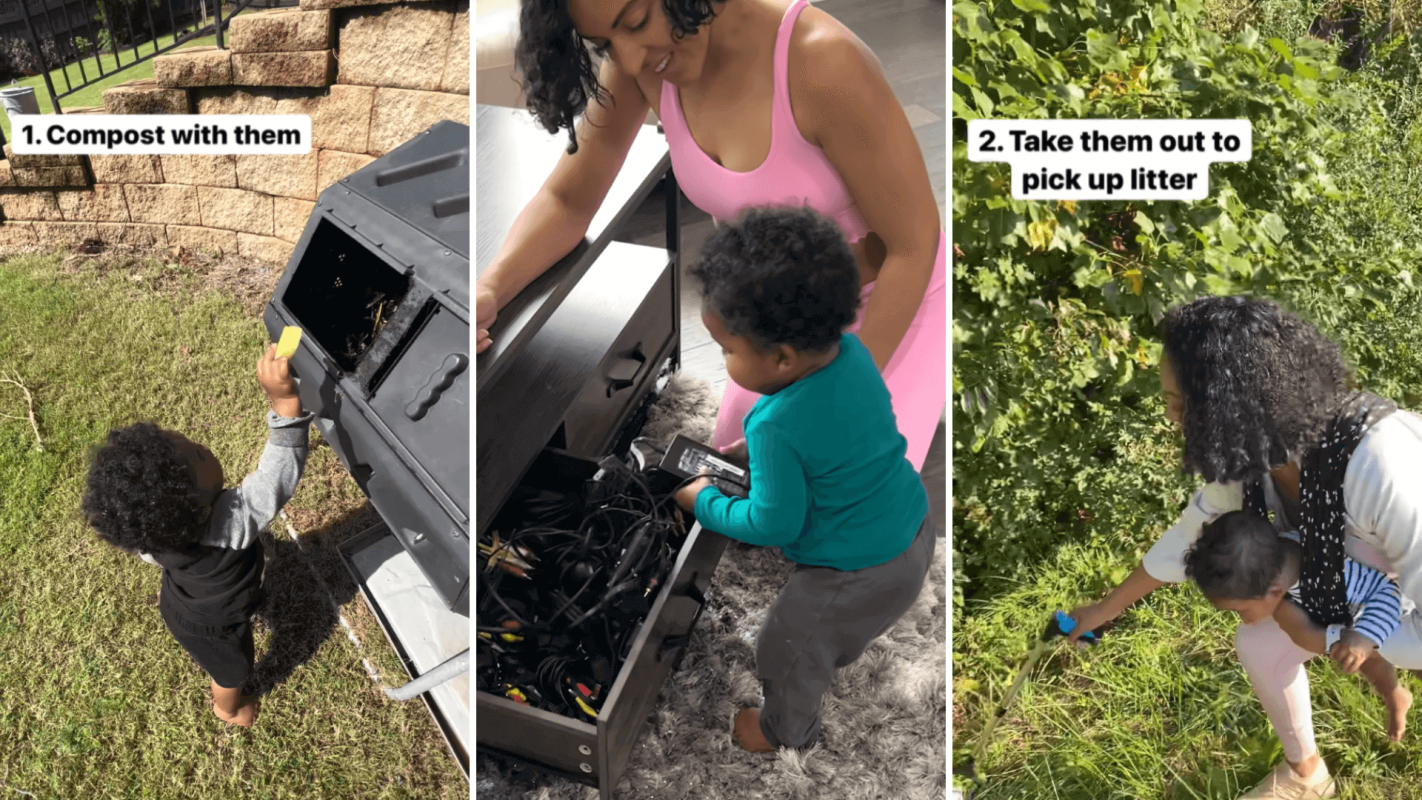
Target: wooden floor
908	37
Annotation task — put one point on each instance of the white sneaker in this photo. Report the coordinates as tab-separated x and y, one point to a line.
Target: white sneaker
1284	784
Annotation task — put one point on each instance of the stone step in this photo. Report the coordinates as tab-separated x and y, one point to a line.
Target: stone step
200	66
312	5
41	161
209	66
145	96
45	170
301	69
283	30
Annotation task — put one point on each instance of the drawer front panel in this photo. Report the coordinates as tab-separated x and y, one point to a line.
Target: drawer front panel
655	650
625	374
538	736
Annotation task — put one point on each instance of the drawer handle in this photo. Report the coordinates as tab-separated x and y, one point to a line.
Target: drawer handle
442	379
616	383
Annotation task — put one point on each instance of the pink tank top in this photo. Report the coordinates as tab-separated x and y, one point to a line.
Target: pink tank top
794	173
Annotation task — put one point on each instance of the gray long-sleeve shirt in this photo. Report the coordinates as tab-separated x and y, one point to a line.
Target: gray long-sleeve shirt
218	580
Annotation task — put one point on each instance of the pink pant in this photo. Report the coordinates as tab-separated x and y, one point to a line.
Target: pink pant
1275	668
917	374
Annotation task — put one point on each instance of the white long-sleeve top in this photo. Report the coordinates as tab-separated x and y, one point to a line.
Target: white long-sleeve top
1382	501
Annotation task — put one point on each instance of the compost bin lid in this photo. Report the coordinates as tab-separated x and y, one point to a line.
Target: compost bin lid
424	182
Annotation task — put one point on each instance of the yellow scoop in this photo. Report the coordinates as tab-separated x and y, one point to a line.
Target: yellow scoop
290	337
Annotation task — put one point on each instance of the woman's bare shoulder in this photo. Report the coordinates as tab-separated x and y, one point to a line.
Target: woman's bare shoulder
825	45
829	66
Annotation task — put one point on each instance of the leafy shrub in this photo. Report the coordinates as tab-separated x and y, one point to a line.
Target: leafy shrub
17	60
1059	433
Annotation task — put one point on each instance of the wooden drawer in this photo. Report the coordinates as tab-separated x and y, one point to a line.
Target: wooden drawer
597	754
630	274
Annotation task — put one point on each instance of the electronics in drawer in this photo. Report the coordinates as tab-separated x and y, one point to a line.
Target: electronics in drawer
582	614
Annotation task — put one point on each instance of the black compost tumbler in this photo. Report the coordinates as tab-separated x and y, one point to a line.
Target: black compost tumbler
379	285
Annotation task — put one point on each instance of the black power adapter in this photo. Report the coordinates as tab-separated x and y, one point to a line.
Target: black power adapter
686	459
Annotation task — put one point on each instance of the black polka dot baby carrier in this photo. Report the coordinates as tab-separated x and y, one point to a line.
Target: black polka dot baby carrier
1321	507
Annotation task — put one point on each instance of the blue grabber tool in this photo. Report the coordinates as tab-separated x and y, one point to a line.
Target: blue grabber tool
1059	625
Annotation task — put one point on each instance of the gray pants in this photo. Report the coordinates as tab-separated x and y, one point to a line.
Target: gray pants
822	621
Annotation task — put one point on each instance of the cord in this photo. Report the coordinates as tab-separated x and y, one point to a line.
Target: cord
613	538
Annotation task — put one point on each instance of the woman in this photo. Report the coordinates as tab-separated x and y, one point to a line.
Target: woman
1272	426
762	104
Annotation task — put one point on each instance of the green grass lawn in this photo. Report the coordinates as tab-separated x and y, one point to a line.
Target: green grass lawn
97	700
1160	709
93	95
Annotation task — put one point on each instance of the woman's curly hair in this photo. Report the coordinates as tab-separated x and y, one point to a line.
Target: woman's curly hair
781	276
559	74
142	495
1259	385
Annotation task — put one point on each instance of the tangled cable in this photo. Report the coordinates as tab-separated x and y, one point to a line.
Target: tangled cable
569	573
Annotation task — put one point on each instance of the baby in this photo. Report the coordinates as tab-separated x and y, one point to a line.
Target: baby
159	495
1243	565
829	485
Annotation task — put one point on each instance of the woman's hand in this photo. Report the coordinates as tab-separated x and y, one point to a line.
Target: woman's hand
1351	650
1089	618
486	311
686	495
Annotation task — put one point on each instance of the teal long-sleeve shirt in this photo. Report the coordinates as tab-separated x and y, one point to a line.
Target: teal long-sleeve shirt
830	485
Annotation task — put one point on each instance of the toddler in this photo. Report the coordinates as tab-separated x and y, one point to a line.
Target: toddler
159	495
829	483
1243	565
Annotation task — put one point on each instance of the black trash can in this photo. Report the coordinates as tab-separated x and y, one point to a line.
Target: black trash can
379	284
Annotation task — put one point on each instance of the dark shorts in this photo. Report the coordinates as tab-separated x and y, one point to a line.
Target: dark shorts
227	653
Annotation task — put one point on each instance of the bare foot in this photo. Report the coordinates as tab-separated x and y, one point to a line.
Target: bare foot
1397	702
246	714
747	732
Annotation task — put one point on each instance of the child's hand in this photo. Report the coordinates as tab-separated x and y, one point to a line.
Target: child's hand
737	451
274	376
1351	650
686	495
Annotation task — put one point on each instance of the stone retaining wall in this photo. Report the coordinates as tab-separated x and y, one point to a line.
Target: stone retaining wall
371	76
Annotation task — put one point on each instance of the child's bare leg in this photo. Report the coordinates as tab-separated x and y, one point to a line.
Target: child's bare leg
228	706
1383	676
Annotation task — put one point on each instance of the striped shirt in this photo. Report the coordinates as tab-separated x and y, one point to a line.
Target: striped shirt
1373	600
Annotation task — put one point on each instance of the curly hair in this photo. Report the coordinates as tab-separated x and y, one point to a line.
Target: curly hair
1237	557
1259	384
781	276
559	74
142	495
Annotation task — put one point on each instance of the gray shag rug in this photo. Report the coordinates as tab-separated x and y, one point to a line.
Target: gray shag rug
885	728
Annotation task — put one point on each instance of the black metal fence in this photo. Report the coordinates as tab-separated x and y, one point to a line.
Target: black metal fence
41	36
